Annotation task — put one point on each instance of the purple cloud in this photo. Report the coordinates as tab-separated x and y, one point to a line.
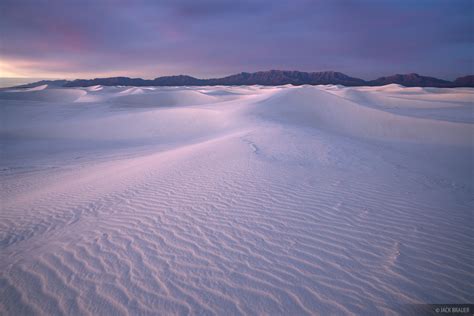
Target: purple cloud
213	38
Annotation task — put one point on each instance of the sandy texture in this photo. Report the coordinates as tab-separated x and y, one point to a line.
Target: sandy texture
235	200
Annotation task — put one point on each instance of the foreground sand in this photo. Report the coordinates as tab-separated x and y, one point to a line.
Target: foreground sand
235	200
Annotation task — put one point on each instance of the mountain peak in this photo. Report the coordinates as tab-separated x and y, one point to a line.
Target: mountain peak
466	81
411	80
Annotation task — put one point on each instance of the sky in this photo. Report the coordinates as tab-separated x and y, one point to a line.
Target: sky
212	38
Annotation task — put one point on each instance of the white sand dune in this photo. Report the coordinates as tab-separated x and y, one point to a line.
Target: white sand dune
342	115
37	88
143	98
94	88
235	200
43	94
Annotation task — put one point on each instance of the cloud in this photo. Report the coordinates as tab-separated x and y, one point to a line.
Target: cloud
210	37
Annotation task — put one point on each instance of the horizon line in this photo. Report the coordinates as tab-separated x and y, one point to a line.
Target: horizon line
223	76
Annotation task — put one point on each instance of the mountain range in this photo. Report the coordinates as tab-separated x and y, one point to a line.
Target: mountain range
266	78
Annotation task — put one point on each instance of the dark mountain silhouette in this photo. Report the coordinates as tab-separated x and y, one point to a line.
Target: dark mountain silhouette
112	81
266	78
51	83
411	80
180	80
279	77
466	81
